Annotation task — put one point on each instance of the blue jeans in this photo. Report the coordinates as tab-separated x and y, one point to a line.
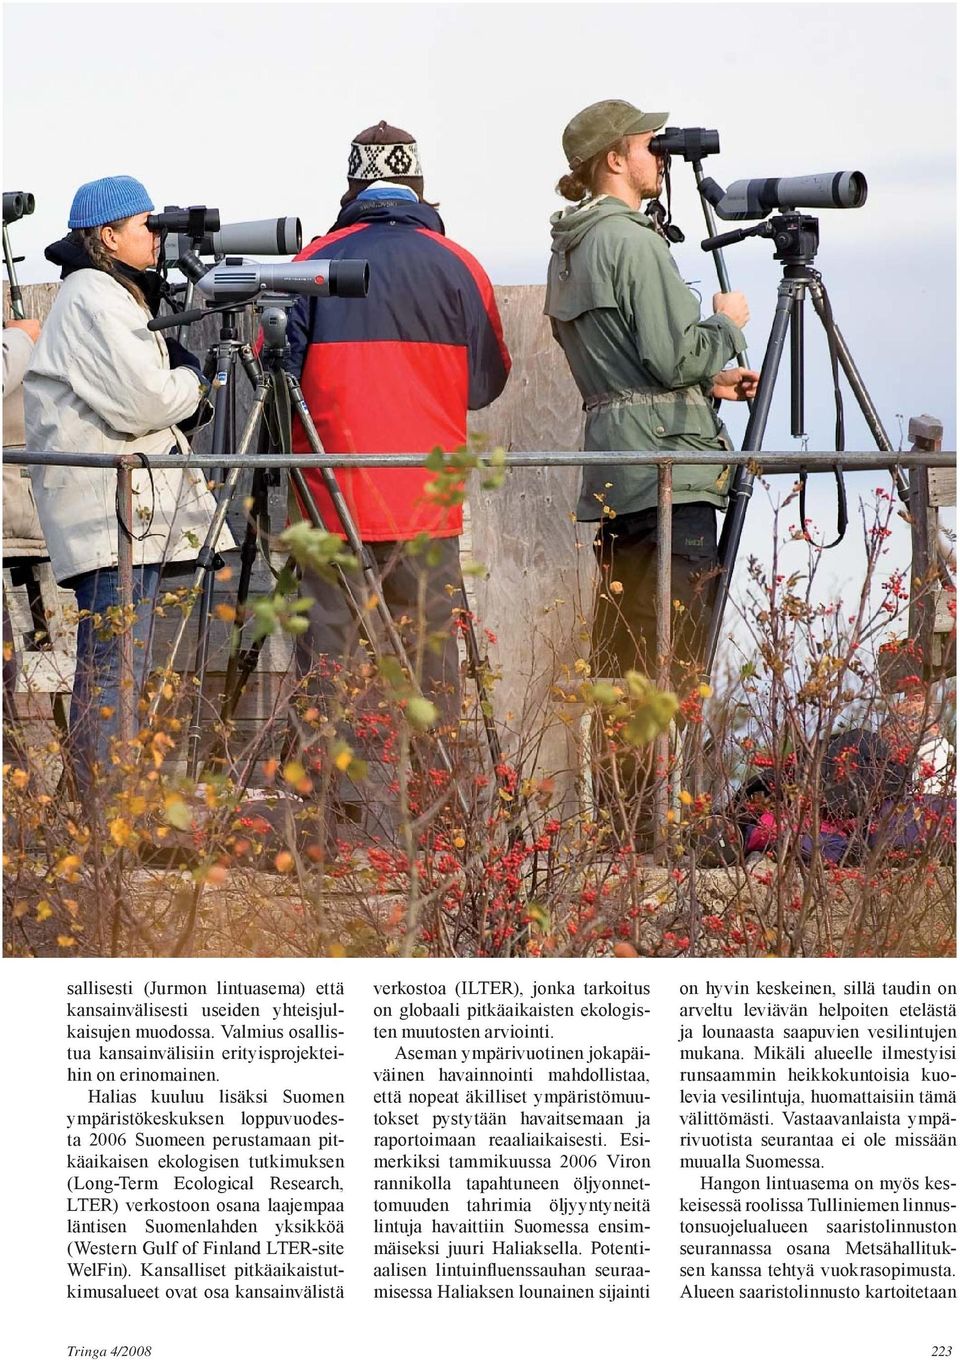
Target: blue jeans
96	681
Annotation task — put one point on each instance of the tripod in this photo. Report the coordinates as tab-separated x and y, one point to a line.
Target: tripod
277	395
796	238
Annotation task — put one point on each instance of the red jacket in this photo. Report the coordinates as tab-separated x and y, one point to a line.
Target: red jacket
396	371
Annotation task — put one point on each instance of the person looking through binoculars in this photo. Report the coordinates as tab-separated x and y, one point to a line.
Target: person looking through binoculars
648	370
100	382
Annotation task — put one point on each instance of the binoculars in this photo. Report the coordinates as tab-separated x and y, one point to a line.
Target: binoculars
16	204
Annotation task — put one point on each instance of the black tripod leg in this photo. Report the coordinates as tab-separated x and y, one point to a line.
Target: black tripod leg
243	662
248	557
475	864
857	385
39	635
248	661
206	554
742	488
370	574
357	546
869	411
201	656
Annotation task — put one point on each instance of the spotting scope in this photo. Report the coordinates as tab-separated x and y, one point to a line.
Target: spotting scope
239	280
750	199
268	236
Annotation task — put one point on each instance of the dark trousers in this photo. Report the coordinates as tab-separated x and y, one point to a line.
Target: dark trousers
625	620
95	705
11	736
625	638
421	590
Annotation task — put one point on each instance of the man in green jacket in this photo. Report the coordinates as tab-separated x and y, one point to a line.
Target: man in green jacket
647	368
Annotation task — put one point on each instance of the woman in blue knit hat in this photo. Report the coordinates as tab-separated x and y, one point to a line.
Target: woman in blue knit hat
101	382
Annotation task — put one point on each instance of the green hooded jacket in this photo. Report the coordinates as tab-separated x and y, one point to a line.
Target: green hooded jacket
639	353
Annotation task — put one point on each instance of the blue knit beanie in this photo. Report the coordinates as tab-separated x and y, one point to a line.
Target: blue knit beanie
108	200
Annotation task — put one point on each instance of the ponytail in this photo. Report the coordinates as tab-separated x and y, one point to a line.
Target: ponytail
581	183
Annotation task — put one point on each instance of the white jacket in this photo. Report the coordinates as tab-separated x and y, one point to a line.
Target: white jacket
22	535
100	382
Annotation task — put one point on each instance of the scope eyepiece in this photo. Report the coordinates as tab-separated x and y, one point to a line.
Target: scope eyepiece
17	203
192	266
690	143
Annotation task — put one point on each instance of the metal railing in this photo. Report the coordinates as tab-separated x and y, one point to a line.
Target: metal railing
769	463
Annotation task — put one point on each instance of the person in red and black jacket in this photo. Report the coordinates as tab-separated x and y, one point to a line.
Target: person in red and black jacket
395	372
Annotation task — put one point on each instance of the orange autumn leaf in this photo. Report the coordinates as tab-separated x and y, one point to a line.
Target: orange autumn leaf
121	832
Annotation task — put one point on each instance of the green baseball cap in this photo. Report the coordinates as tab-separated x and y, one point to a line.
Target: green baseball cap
599	126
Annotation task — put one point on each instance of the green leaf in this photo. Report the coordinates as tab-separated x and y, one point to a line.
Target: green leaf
421	713
539	915
287	582
177	813
393	674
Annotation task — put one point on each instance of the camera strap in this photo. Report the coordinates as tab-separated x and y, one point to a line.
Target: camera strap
662	217
128	528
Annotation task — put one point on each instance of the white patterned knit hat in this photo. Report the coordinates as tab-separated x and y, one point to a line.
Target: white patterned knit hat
383	152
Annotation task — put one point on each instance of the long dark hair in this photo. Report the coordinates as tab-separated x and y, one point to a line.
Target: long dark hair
100	257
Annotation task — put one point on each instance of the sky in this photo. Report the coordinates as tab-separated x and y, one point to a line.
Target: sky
251	109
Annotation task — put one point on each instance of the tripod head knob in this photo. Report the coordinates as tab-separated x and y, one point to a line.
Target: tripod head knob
796	237
273	322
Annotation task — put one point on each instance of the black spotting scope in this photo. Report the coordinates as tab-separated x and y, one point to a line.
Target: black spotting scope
16	204
750	199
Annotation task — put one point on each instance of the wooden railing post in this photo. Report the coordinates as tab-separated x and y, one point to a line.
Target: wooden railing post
128	690
926	432
664	649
